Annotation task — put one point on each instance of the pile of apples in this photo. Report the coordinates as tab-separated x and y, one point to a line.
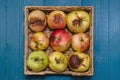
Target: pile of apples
77	22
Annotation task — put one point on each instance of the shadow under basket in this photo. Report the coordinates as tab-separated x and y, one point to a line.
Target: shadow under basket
28	33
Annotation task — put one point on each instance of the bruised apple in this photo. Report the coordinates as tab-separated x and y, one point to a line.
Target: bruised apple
60	40
39	41
37	61
78	21
37	20
79	62
80	42
57	20
57	62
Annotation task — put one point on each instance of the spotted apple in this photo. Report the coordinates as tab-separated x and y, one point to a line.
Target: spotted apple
39	41
37	61
80	42
79	62
60	40
78	21
37	20
57	20
57	62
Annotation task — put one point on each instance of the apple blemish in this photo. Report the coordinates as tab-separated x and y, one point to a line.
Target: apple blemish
74	61
58	18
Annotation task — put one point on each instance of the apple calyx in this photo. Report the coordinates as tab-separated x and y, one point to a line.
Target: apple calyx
37	59
58	60
81	39
35	43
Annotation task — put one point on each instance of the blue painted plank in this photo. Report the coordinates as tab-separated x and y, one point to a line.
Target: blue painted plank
34	2
21	41
2	40
114	40
58	77
69	2
101	39
50	2
12	40
62	2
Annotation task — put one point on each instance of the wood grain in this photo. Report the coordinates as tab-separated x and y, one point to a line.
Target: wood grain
13	51
3	40
114	40
21	40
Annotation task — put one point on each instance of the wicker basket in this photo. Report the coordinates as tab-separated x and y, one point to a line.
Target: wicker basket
28	33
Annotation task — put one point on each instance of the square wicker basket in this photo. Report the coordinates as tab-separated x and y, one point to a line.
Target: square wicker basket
28	33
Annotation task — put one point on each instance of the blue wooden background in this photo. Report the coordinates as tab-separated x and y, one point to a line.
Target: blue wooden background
106	39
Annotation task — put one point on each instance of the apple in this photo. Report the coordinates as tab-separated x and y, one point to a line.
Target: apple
78	21
37	20
79	62
39	41
37	61
80	42
57	20
57	62
60	40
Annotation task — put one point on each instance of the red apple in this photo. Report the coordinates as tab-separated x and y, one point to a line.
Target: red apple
39	41
60	40
80	42
57	20
37	20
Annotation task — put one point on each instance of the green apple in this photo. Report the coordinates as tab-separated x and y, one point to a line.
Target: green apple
78	21
37	61
58	62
